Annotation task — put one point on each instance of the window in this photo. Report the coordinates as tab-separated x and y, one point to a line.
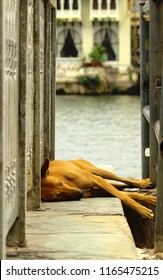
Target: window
108	46
108	38
69	42
113	4
104	5
58	5
95	4
75	5
66	5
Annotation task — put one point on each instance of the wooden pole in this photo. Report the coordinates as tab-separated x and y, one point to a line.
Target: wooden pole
144	90
159	206
155	54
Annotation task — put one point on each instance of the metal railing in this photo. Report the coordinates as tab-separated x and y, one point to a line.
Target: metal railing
151	51
27	100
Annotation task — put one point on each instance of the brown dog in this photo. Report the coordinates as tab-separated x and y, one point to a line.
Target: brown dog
73	179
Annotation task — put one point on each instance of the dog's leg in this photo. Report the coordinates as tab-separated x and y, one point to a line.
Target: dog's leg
149	199
142	210
133	183
86	165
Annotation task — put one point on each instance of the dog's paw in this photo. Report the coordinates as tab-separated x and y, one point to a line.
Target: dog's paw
145	184
150	199
146	213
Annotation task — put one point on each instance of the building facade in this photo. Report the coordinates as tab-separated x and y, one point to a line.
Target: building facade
82	24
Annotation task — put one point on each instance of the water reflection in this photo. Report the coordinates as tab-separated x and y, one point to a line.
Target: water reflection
102	129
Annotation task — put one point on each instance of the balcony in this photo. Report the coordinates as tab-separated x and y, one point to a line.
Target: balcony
104	10
69	10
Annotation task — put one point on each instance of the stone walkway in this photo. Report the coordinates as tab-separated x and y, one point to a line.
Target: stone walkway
89	229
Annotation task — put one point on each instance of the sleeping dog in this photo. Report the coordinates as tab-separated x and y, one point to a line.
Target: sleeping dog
63	180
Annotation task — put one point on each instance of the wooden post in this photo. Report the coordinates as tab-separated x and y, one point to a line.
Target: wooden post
159	206
144	90
35	197
49	96
53	77
155	53
47	81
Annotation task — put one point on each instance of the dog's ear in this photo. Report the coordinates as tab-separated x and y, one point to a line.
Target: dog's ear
44	168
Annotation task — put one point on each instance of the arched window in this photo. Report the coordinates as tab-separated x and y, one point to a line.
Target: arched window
113	4
104	5
107	37
108	46
69	49
95	4
58	5
75	5
66	5
69	42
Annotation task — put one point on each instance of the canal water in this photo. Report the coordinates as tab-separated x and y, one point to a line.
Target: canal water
102	129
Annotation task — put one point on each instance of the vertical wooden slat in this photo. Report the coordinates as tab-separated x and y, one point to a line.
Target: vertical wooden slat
49	109
42	75
53	78
29	95
47	82
36	194
22	119
155	50
144	90
159	205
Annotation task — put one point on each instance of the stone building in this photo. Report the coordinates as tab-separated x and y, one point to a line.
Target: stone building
82	24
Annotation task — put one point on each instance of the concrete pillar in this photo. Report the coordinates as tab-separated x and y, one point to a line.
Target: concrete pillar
87	29
124	34
2	197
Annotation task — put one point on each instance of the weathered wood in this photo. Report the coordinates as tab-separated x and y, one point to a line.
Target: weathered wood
159	206
47	82
155	54
53	78
29	80
35	195
154	112
144	90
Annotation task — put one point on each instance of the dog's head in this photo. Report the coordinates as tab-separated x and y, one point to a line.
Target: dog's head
53	189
